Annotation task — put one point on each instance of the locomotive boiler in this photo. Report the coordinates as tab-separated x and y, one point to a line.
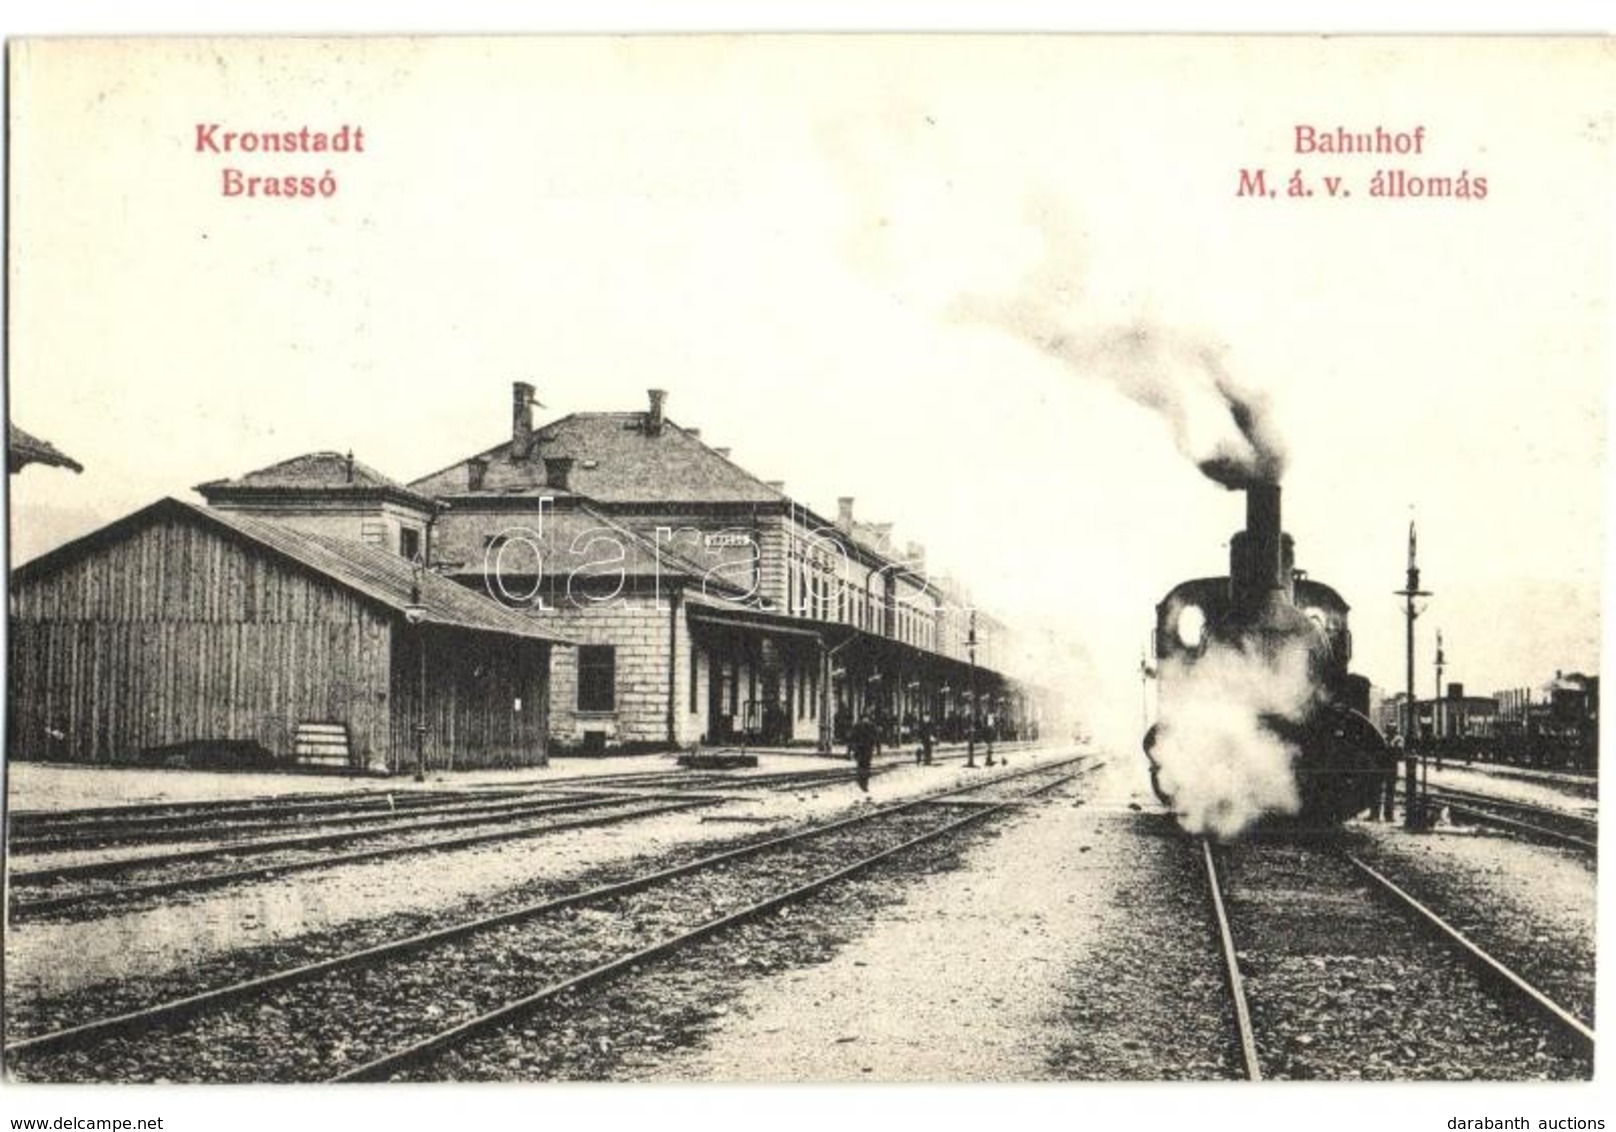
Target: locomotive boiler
1270	616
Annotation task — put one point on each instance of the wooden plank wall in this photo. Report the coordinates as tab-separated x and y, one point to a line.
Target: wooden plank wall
177	634
473	681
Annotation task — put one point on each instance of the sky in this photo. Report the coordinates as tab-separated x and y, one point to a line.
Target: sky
797	237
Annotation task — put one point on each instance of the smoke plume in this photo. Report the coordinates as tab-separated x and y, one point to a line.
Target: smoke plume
1223	429
1217	762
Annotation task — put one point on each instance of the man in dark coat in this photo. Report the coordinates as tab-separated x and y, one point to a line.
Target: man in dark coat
861	742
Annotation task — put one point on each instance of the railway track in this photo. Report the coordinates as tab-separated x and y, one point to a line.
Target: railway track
54	889
168	831
73	830
1537	823
43	823
1337	972
390	1008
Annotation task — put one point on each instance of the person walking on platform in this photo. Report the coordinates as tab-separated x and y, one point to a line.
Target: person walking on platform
1386	789
926	741
861	743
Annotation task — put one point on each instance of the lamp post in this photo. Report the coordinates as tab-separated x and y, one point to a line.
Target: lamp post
1410	591
970	734
992	722
415	615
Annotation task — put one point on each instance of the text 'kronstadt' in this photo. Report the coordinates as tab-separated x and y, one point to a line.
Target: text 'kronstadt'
1311	139
215	138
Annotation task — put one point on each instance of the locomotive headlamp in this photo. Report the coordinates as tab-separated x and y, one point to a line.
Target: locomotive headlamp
1190	626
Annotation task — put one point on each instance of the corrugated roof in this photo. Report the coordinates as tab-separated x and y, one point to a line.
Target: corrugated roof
616	461
379	575
24	448
314	472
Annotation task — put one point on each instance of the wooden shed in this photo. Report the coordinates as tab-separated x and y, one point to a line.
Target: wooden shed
183	632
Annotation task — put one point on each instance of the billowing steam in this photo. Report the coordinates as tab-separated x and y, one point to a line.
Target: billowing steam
1223	429
1216	759
1221	767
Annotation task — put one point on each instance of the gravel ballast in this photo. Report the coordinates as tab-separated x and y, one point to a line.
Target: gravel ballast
1343	986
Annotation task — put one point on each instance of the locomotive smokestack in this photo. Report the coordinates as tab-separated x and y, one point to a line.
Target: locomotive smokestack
1262	512
1261	556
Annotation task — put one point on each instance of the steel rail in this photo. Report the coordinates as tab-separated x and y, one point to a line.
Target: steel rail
1483	816
382	1067
145	1018
1231	967
260	805
114	865
1512	804
1567	1021
113	837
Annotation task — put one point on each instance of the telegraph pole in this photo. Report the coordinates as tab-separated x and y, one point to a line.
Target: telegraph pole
1408	593
970	737
1436	696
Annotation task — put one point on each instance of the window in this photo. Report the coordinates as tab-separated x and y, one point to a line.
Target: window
694	666
409	542
597	677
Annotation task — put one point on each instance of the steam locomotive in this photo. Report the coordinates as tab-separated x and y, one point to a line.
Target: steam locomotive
1266	607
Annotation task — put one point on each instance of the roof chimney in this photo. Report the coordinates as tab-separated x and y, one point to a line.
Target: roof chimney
558	472
653	417
521	420
844	512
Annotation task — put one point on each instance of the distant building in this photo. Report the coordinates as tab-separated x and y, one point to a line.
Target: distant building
332	494
1454	716
1458	716
23	449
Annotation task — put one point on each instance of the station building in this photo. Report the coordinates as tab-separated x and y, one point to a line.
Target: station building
603	582
710	606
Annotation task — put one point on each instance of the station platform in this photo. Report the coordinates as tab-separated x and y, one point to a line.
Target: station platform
67	786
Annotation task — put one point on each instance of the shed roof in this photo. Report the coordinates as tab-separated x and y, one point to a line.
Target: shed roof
384	578
24	448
